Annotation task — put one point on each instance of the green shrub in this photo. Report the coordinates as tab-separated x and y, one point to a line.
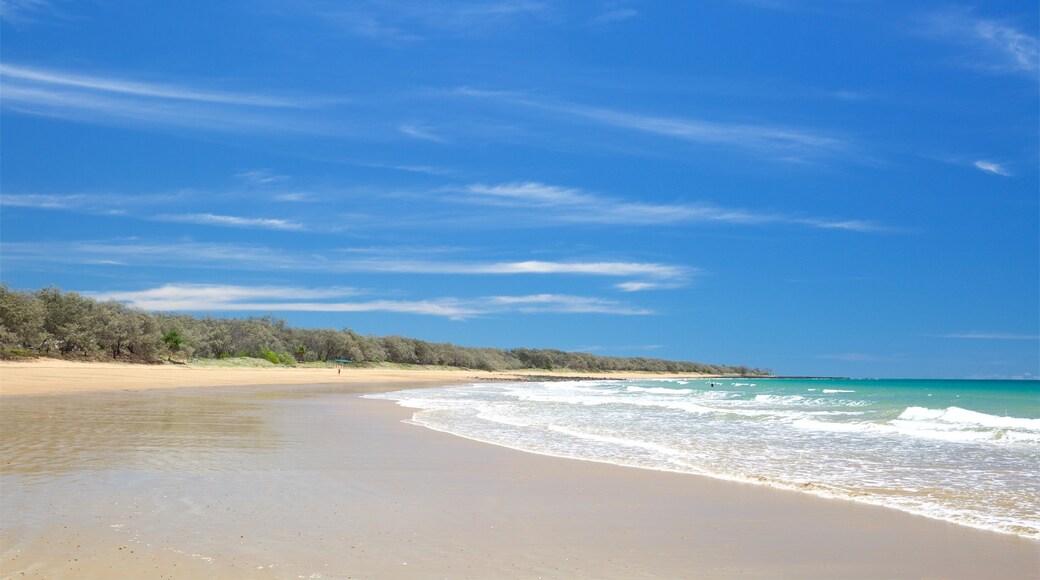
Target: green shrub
18	353
287	359
270	356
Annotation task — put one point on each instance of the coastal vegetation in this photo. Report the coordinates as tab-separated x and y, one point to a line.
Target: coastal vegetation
50	322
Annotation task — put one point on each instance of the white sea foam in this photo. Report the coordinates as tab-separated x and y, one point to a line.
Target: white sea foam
952	425
949	463
659	390
717	394
781	399
1019	437
840	427
800	401
504	417
938	431
959	416
615	440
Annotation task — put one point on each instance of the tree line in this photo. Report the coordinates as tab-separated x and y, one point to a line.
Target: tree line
50	322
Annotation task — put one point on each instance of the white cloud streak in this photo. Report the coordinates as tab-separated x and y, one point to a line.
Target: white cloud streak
221	293
261	177
114	204
571	205
411	22
639	286
758	137
199	298
995	46
989	336
42	201
615	15
210	219
28	11
519	204
96	99
420	132
774	141
991	167
610	269
172	254
119	86
95	203
248	257
293	197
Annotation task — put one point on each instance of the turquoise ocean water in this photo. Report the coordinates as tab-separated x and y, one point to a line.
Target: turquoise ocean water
962	451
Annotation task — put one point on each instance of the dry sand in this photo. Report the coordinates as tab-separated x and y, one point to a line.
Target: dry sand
313	481
52	376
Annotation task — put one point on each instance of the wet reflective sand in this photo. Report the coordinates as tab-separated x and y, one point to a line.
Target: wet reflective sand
290	482
181	481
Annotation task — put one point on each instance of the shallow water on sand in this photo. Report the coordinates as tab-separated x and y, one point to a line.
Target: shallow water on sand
966	452
130	483
286	482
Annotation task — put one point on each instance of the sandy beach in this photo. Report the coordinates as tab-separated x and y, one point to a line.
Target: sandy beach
54	376
280	480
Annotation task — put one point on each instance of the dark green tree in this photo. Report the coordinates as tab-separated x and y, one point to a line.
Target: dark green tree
174	342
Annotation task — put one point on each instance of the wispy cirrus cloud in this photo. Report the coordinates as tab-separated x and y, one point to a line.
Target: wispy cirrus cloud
127	87
138	252
773	141
564	303
112	99
231	221
94	203
641	286
409	22
294	196
991	167
424	169
215	297
849	225
129	205
111	204
178	254
616	14
573	205
421	132
511	204
223	293
991	45
43	201
261	177
988	336
763	138
529	267
29	11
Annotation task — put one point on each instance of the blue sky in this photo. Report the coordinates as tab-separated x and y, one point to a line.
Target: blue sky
840	188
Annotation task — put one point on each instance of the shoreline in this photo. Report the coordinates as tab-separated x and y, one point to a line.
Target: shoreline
56	376
284	481
852	461
301	471
792	488
912	541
